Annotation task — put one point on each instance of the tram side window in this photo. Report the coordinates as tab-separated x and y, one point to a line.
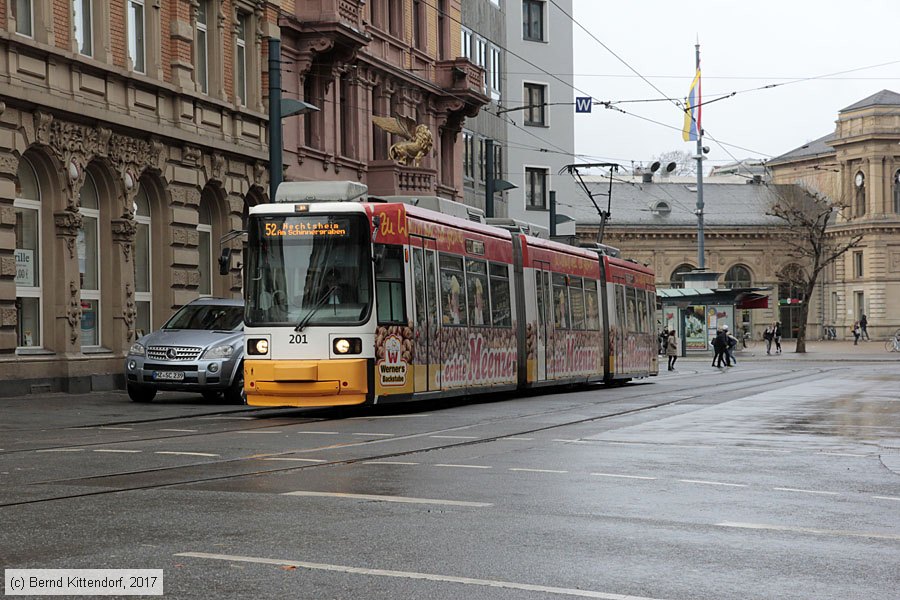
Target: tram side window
643	324
389	284
500	302
576	295
620	308
592	306
561	316
453	301
631	310
477	291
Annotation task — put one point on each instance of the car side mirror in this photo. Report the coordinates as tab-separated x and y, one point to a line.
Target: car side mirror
225	261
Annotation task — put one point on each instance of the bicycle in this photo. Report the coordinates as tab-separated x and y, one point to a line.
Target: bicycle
893	343
830	333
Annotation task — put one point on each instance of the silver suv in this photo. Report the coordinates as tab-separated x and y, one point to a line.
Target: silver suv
200	349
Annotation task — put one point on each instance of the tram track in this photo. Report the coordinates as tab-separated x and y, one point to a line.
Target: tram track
723	389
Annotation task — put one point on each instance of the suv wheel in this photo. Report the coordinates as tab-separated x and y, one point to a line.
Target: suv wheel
140	394
235	392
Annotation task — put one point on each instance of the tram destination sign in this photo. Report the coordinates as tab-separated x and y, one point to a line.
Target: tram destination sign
306	228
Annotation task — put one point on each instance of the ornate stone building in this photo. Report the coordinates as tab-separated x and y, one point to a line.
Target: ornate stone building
355	60
133	138
858	164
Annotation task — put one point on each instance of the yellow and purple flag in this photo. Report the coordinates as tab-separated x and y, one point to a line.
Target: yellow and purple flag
692	110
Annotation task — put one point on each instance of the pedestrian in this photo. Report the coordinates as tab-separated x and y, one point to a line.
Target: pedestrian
663	339
720	345
864	327
731	342
672	349
776	335
856	333
768	336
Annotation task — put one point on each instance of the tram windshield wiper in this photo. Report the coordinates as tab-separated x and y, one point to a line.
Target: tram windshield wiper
319	304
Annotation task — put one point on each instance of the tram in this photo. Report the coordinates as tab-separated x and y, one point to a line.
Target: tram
351	300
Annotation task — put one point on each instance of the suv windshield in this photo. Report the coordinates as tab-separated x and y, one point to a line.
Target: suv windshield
208	317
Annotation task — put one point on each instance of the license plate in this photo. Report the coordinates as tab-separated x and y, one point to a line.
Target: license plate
169	375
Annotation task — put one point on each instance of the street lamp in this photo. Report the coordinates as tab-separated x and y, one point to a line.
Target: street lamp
279	109
491	185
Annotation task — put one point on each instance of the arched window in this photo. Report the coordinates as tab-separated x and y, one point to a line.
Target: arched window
859	183
204	247
143	292
677	278
89	262
897	192
27	207
738	276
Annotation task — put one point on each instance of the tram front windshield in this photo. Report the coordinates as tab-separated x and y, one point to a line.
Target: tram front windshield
308	270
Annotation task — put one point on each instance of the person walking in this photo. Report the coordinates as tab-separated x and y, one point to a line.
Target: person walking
864	327
776	335
856	333
672	349
720	345
768	336
731	344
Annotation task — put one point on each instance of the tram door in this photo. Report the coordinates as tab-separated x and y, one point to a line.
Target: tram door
545	319
427	340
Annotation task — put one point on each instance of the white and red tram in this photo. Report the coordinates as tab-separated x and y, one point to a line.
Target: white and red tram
352	301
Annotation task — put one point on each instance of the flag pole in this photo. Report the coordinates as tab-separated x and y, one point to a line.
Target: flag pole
701	261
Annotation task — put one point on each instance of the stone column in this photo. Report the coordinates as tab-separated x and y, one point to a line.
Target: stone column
183	219
64	334
123	306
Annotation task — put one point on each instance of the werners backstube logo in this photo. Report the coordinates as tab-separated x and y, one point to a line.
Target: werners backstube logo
392	369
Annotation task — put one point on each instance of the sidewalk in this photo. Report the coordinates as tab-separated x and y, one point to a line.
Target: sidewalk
819	350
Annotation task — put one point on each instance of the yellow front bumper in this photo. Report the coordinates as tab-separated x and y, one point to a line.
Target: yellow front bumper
306	382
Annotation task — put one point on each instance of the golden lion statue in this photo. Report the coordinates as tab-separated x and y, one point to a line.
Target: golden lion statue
420	141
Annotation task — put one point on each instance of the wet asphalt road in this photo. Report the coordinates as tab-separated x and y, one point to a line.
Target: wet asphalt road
770	480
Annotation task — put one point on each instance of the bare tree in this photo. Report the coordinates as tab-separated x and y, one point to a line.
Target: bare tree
808	217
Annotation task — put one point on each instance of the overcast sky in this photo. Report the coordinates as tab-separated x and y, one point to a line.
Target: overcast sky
743	46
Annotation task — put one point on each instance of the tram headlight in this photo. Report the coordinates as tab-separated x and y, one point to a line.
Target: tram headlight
347	346
257	346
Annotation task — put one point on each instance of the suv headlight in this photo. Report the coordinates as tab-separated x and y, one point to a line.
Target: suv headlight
137	349
219	352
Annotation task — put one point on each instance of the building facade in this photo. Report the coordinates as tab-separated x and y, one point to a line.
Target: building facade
133	139
538	104
858	165
384	58
483	40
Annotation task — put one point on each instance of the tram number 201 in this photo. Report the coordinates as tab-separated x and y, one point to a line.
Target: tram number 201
298	338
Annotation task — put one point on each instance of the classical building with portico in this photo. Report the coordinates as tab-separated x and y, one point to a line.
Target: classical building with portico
857	165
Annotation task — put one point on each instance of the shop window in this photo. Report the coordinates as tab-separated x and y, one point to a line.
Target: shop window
143	282
88	245
27	206
204	249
